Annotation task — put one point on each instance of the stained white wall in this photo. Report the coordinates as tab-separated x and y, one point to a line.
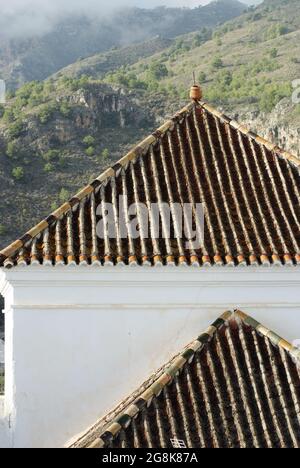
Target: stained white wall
81	339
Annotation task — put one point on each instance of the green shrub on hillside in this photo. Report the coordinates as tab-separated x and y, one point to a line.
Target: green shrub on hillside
10	94
51	155
49	167
12	149
276	30
49	86
246	85
172	90
46	112
90	151
197	40
157	71
273	53
123	78
28	89
89	140
64	195
8	115
271	95
217	62
105	154
30	95
224	78
15	129
202	77
65	109
255	17
54	205
18	173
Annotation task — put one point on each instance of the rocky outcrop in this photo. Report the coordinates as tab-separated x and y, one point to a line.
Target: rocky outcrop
52	155
93	110
101	106
279	126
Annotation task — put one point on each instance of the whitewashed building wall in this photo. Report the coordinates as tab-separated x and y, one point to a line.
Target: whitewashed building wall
78	340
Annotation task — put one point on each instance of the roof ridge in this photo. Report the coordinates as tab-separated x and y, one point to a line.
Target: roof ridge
275	339
254	136
167	373
164	376
137	151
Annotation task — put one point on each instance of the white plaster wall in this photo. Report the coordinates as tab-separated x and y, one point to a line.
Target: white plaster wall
79	340
4	427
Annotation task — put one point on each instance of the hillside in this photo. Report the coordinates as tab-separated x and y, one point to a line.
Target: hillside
251	60
246	68
56	134
36	57
97	66
59	145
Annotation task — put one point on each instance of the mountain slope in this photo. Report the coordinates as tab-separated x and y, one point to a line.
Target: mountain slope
247	68
35	58
254	54
100	64
57	146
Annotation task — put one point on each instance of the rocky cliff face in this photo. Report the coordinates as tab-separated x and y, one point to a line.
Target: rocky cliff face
100	108
89	111
276	126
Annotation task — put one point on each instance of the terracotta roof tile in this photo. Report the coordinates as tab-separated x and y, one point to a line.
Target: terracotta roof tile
250	188
237	385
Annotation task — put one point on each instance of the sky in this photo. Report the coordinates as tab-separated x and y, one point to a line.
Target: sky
17	16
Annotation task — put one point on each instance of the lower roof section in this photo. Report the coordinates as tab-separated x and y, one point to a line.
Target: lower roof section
236	386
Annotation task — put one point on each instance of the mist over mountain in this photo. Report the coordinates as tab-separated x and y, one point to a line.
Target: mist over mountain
21	18
25	57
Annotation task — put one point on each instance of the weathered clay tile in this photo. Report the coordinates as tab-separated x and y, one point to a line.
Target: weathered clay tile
250	189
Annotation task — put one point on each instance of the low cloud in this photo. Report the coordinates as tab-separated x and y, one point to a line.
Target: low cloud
31	17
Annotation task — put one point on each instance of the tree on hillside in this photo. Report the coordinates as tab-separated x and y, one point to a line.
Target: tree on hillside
158	70
217	62
18	173
89	140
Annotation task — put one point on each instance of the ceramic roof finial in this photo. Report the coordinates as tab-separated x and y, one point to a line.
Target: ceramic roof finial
196	91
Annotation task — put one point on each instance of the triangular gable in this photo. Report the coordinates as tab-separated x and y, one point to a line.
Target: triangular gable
249	187
237	385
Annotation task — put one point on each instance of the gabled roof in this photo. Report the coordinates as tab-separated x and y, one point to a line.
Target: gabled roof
237	385
249	186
